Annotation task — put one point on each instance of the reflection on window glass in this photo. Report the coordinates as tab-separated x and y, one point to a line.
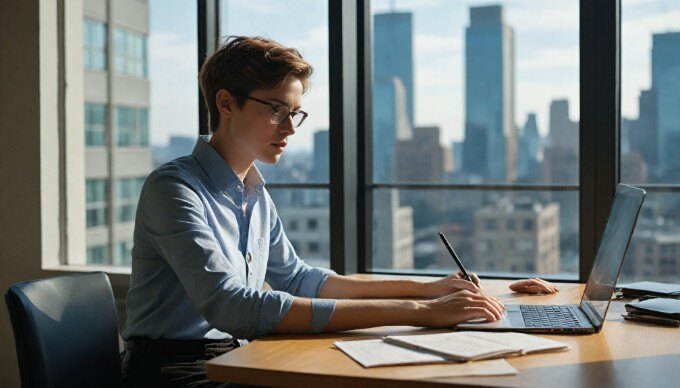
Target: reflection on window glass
650	133
152	110
303	25
474	93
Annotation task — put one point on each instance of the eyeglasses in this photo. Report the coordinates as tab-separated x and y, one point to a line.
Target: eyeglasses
280	113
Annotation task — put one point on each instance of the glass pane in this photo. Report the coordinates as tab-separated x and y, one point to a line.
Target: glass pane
147	112
305	217
650	92
654	253
302	24
522	233
476	93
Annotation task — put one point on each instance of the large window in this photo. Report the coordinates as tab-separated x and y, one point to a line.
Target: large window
650	134
475	134
298	183
472	127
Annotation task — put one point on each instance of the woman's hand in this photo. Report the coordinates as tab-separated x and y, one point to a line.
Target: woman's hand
534	286
459	307
452	284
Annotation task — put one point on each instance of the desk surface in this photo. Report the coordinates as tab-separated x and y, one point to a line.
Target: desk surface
624	354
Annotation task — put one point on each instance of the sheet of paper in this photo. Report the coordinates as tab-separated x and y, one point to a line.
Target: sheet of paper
528	343
370	353
457	345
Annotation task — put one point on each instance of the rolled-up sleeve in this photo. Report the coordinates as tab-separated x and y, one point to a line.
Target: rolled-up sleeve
179	231
286	272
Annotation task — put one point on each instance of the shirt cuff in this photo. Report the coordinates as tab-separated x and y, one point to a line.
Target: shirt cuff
322	311
314	281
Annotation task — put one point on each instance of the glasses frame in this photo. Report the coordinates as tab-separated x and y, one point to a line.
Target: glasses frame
275	109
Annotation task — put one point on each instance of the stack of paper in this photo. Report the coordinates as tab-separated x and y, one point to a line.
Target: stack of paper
444	347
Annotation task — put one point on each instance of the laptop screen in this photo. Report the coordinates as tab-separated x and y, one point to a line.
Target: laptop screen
611	252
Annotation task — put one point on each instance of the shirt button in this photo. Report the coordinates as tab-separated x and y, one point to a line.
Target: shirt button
249	257
239	187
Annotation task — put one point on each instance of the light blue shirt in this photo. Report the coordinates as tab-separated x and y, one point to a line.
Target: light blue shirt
204	244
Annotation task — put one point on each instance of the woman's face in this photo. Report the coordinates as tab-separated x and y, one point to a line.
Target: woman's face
251	127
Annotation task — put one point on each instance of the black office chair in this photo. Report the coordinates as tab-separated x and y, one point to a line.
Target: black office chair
66	331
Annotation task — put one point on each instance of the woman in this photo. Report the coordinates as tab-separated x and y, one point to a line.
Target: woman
207	237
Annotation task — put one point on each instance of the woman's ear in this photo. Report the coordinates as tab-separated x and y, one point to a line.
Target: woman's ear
225	102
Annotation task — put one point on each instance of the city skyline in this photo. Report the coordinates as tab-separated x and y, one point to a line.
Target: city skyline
174	45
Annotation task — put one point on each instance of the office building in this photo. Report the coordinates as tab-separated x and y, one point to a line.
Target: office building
320	168
666	83
393	244
393	112
308	230
393	53
564	132
530	152
643	136
490	133
653	254
117	153
389	124
421	160
518	236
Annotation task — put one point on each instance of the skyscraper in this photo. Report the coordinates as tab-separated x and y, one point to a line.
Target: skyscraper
393	51
563	132
530	151
392	88
490	134
390	123
320	169
666	83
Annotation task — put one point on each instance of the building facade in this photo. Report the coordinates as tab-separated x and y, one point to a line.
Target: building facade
117	155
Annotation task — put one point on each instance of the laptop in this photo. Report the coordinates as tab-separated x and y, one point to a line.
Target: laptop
587	316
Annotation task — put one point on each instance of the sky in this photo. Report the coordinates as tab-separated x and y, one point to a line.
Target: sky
546	56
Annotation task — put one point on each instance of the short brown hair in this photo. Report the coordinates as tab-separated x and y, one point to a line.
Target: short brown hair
243	64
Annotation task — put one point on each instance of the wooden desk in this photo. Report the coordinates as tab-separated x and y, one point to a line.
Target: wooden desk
624	354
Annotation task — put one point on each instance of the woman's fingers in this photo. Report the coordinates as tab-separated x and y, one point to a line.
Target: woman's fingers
534	286
472	312
464	285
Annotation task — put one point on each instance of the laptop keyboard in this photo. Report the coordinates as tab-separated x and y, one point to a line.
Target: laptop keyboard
548	316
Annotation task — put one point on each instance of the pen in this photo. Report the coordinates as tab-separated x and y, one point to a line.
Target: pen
455	258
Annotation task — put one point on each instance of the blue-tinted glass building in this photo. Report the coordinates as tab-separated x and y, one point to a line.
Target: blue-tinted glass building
490	135
392	87
666	84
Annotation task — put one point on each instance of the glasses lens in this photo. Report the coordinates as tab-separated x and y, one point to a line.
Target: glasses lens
280	114
298	118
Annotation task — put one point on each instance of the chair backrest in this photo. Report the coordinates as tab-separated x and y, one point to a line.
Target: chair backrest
66	331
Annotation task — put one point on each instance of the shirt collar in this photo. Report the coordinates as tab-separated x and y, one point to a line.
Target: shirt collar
221	175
